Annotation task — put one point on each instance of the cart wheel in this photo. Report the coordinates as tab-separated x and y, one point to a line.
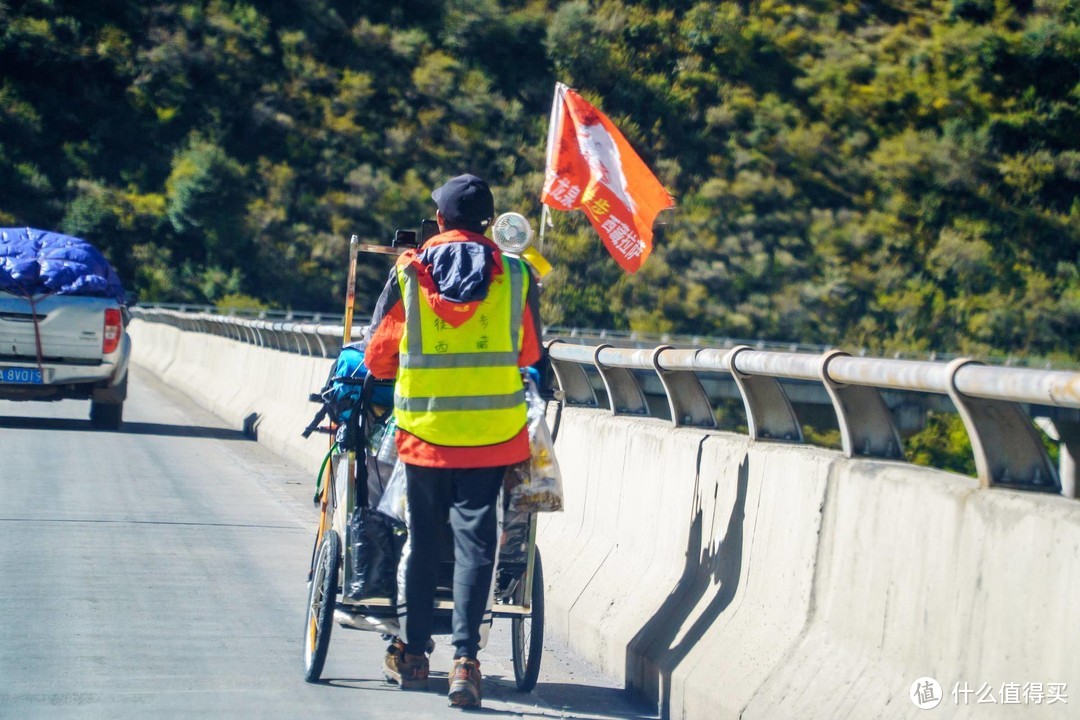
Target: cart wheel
320	606
527	633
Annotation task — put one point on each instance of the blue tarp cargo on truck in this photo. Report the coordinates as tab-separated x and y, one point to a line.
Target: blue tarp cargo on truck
39	262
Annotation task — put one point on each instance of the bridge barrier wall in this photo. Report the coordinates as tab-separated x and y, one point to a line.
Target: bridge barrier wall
920	573
260	390
727	578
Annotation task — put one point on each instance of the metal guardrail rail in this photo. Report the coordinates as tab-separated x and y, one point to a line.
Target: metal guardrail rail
308	337
1007	448
991	400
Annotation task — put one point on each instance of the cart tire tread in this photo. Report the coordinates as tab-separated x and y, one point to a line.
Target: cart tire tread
527	634
322	595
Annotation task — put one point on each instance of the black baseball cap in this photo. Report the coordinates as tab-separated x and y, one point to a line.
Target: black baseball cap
465	199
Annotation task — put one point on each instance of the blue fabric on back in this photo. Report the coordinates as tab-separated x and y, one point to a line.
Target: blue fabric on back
39	262
461	270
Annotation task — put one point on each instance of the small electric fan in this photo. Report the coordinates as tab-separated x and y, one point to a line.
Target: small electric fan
512	232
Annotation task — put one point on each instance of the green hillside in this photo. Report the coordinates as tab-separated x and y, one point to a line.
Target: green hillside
894	176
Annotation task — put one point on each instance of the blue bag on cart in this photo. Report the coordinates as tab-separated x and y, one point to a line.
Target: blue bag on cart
341	398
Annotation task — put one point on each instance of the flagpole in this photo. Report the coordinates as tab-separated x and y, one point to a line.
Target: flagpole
553	133
545	218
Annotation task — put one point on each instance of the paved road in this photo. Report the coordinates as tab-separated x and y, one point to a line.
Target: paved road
160	572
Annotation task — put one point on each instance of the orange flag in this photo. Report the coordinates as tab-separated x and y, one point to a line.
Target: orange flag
591	166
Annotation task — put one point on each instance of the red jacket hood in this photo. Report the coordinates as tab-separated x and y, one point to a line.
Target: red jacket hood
455	270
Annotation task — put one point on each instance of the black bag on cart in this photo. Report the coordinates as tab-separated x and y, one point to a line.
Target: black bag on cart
375	541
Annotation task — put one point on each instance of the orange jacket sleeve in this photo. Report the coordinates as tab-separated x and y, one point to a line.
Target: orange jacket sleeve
383	348
383	340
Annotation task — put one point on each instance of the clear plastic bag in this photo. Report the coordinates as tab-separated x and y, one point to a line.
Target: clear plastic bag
535	485
392	502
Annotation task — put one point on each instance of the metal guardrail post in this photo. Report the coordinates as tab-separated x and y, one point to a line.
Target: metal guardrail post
769	414
1069	434
1008	452
577	390
866	425
297	333
625	395
290	331
303	332
687	400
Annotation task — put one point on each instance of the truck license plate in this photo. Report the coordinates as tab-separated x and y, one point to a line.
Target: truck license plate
20	376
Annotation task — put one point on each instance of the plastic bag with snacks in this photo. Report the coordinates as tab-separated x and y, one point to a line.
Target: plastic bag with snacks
535	485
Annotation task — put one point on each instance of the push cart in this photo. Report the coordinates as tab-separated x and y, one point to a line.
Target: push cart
519	580
518	587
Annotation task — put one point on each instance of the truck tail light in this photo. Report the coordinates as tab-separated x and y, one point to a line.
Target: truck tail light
113	330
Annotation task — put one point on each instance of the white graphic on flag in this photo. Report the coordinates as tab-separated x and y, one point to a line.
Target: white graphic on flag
600	151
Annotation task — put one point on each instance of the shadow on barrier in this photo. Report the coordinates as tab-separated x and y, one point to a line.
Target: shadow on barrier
128	428
716	565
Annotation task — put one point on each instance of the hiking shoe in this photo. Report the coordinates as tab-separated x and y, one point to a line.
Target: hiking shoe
465	683
409	672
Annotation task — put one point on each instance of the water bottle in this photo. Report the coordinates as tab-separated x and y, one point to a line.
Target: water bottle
388	449
375	439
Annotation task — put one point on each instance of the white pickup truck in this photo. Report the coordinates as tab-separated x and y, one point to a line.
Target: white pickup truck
66	347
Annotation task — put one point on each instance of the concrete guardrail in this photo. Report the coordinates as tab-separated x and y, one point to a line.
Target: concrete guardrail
726	575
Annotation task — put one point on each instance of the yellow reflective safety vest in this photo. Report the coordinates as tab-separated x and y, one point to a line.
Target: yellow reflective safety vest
461	387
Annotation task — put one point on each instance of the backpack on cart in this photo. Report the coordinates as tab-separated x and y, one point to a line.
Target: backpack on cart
343	401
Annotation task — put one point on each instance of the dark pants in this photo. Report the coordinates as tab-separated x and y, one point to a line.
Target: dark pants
468	498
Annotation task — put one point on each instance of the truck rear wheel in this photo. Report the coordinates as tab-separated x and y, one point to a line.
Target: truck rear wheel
106	417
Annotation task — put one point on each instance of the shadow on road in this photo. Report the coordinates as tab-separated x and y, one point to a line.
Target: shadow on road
570	700
554	700
128	428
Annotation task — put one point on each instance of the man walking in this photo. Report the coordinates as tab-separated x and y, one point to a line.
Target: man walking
455	322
